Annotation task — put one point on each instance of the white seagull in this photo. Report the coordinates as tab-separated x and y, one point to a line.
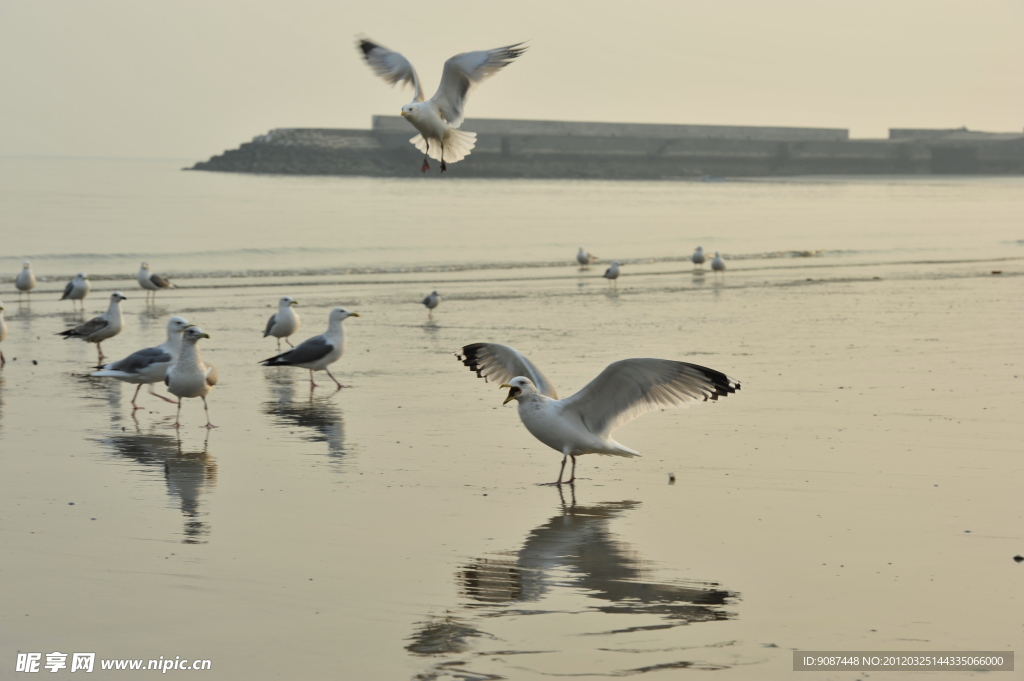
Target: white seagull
148	366
151	282
318	352
584	422
698	257
99	329
77	289
584	258
25	281
284	322
439	117
612	273
717	264
432	301
3	334
189	376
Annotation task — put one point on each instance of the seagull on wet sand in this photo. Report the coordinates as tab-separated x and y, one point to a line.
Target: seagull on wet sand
25	281
432	301
698	257
318	352
284	322
439	117
99	329
717	264
148	366
151	282
612	273
584	422
189	376
584	258
77	289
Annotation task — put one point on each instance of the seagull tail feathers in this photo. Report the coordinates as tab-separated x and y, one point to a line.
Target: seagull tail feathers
457	145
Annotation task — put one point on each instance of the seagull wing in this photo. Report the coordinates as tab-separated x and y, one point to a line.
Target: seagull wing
390	65
87	329
631	387
464	71
67	290
139	360
270	324
496	362
307	351
159	281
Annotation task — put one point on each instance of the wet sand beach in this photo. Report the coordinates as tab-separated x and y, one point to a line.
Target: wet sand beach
860	492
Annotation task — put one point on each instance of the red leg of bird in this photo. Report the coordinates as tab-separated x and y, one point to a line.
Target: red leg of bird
340	386
155	394
207	410
312	383
444	166
135	396
426	166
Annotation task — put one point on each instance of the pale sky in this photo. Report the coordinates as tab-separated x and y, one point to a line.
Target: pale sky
190	78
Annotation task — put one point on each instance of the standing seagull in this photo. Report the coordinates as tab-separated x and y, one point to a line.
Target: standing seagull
3	334
317	352
189	376
284	322
717	264
584	258
77	289
439	117
151	282
99	329
25	281
148	366
612	273
432	301
583	423
698	257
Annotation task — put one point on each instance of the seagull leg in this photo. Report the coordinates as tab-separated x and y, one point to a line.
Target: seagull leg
135	396
155	394
279	346
288	342
207	410
444	166
177	417
99	351
426	166
572	474
340	386
312	383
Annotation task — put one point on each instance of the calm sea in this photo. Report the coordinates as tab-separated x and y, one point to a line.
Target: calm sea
104	216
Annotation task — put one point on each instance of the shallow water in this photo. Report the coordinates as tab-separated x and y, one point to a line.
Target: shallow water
860	492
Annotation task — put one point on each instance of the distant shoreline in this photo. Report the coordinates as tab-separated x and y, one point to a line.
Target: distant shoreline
626	151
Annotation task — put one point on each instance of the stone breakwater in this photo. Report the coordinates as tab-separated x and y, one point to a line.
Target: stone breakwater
579	150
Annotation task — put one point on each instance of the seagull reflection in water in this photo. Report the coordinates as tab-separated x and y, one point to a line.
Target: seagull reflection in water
574	553
189	472
319	414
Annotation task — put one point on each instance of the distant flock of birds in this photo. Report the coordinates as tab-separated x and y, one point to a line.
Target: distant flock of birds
585	259
576	425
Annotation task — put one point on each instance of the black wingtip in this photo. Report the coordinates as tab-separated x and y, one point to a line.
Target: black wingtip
470	357
367	46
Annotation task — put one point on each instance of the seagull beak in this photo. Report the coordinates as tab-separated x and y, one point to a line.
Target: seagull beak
206	335
354	314
513	393
404	114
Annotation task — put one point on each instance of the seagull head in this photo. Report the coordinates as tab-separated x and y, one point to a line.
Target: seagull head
144	265
287	301
193	333
411	110
517	387
25	265
116	297
177	324
340	313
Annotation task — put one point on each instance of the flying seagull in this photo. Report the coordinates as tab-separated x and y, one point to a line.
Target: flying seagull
149	365
318	352
189	376
439	117
584	422
151	282
284	322
99	329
